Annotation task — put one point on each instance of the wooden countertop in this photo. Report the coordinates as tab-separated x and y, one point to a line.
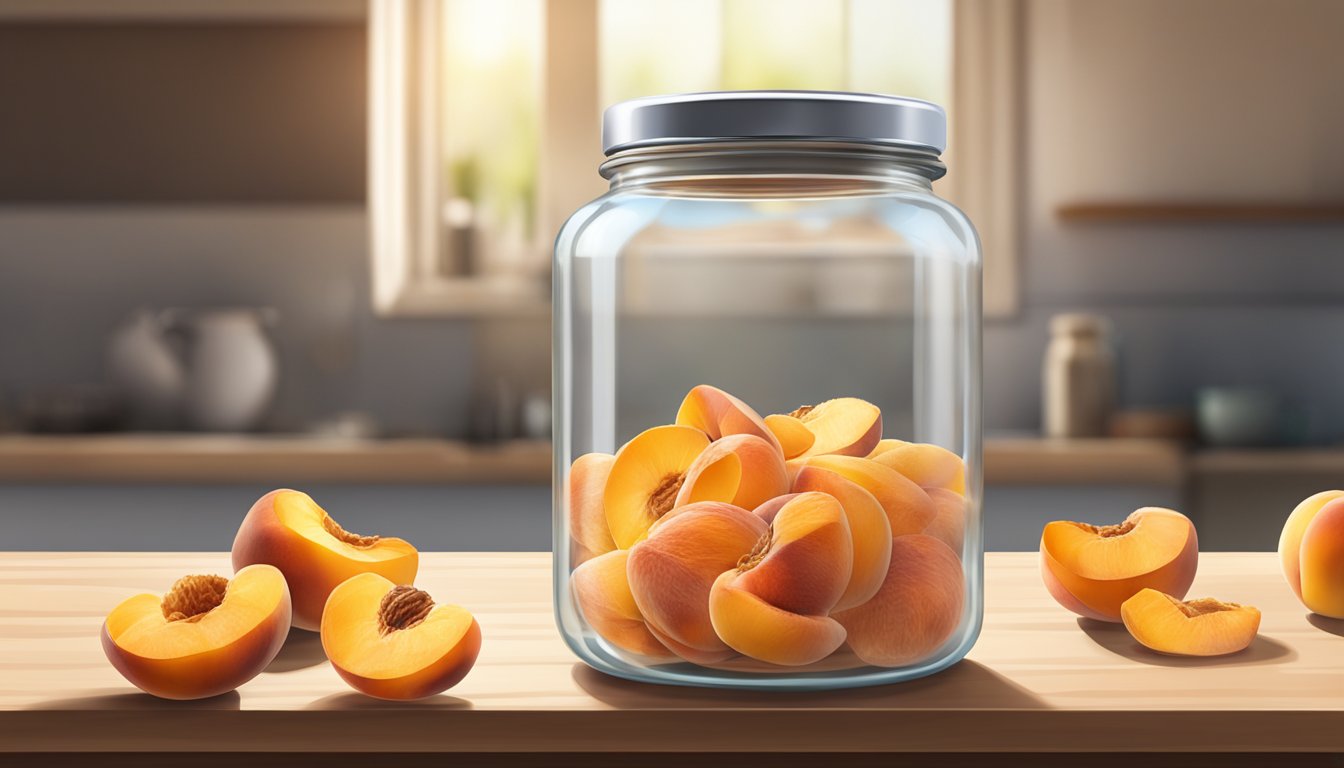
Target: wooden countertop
1039	680
295	459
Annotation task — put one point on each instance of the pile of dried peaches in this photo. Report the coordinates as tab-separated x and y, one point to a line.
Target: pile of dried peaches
779	541
295	566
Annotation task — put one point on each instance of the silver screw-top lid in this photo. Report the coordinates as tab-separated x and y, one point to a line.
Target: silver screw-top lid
694	118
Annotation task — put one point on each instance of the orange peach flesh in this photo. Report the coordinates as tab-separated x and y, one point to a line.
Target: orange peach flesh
394	642
950	523
917	609
1204	627
288	530
845	426
743	470
646	477
206	636
793	435
1092	570
602	595
773	606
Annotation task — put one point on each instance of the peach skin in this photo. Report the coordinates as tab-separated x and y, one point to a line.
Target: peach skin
584	487
206	636
793	435
1204	627
868	527
1322	560
645	478
1092	570
743	470
929	466
1294	545
718	414
393	642
288	530
950	523
917	609
909	508
846	426
773	605
671	573
602	594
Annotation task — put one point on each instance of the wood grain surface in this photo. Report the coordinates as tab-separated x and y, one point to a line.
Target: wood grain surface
1039	679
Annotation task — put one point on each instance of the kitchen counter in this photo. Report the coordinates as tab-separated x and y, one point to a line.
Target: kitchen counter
1039	681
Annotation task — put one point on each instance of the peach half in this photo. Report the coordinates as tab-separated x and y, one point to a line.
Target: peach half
1311	549
392	641
672	571
846	426
743	470
288	530
206	636
645	478
584	487
929	466
909	508
1204	627
793	435
950	523
602	594
868	527
773	605
917	609
1093	569
718	414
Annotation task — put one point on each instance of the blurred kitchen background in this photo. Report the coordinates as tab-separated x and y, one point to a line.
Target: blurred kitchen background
305	242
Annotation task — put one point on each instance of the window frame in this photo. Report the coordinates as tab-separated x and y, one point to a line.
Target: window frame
404	184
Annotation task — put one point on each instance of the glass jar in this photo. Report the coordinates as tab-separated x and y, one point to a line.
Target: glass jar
767	397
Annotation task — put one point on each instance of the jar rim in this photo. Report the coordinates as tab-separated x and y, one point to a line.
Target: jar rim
774	115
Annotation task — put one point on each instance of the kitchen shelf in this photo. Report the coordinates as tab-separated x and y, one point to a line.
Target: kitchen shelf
1039	680
172	458
1210	211
1269	461
293	459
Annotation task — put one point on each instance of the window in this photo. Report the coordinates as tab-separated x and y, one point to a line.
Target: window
485	113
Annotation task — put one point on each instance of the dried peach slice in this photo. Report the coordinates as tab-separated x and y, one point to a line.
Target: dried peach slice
1092	569
288	530
909	508
392	641
950	523
917	609
868	526
206	636
717	414
645	478
773	606
846	426
671	573
1204	627
584	487
929	466
602	594
743	470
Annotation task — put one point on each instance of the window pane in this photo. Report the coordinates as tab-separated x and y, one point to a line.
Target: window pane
490	131
651	47
784	44
902	47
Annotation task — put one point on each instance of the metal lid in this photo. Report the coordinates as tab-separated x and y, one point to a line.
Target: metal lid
694	118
